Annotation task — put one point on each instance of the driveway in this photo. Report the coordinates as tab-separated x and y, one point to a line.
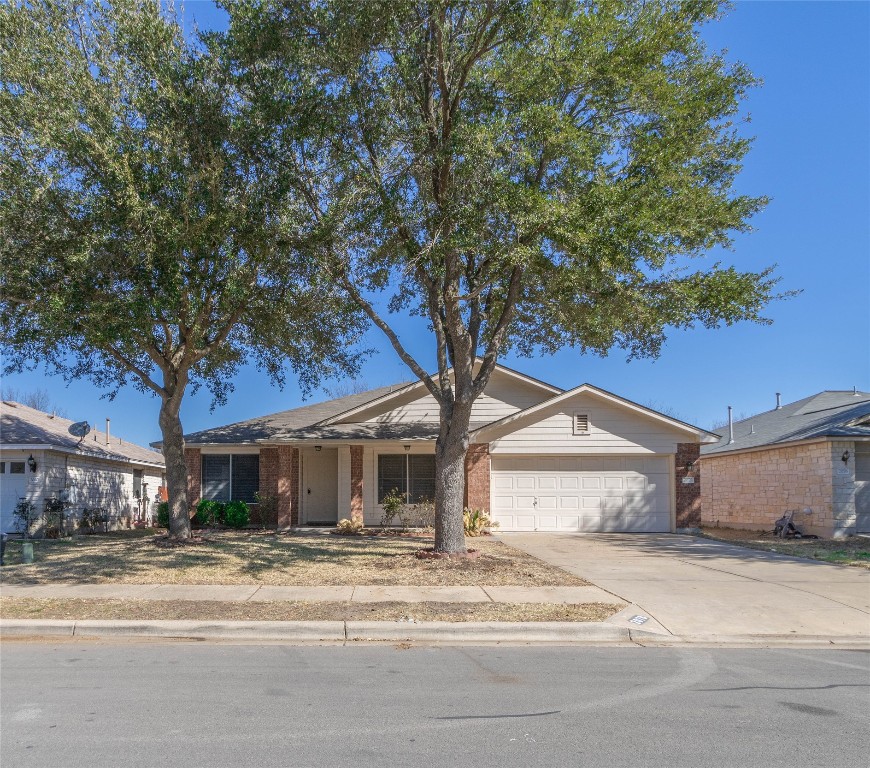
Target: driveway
693	587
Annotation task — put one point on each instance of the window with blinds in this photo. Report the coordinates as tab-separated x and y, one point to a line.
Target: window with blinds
581	424
413	476
230	477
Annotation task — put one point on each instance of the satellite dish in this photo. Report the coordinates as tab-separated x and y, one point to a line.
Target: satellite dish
79	429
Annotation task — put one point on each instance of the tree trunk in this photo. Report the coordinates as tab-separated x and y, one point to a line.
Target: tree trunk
176	467
450	450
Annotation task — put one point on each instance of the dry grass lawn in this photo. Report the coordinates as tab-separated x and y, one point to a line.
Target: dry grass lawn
254	557
152	610
853	550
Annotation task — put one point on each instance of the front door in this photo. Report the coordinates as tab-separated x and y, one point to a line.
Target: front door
319	486
13	486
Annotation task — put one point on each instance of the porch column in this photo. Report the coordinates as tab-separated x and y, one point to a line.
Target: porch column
193	460
288	486
477	476
356	483
687	476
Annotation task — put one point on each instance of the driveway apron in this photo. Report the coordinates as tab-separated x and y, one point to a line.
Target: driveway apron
702	588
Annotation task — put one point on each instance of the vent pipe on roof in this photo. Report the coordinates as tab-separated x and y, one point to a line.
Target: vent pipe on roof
108	420
855	391
778	401
730	426
752	429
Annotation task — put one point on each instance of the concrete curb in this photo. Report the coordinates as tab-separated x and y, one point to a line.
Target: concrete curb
445	632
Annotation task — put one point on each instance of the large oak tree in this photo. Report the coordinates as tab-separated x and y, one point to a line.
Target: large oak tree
147	231
525	174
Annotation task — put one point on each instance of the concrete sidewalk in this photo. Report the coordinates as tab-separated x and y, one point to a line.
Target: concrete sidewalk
358	594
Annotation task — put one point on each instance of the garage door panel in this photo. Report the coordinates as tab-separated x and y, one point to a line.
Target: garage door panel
587	493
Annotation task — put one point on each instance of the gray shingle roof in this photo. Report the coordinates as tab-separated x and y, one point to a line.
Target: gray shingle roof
299	423
826	414
22	425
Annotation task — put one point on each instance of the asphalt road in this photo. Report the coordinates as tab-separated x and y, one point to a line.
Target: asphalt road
73	704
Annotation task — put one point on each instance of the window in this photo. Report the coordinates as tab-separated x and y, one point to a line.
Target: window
411	476
581	424
137	483
16	467
227	477
2	467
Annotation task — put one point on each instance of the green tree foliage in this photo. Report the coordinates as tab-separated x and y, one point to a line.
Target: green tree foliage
146	236
525	174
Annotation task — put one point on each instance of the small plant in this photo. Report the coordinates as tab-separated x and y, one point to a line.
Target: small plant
25	514
209	513
53	517
347	527
267	510
236	514
163	515
424	512
477	522
394	505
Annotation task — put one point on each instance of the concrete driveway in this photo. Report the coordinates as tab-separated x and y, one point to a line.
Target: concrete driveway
694	587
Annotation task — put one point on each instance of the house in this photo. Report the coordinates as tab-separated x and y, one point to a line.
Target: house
40	459
811	454
540	458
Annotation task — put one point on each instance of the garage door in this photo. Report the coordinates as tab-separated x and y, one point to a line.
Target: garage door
590	494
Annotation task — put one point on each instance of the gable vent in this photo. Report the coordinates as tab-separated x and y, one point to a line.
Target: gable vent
581	423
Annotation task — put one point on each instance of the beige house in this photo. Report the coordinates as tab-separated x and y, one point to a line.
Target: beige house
40	459
541	458
812	456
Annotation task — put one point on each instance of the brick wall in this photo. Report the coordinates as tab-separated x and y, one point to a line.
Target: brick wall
356	483
477	465
287	489
751	490
688	494
193	459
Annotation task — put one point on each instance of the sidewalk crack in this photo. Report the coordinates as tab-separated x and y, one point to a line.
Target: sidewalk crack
483	589
249	597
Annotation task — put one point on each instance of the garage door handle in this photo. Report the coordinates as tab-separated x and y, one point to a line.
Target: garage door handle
535	502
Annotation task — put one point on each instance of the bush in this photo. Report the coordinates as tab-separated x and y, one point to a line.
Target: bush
394	505
346	527
236	514
209	513
163	515
477	522
424	512
267	510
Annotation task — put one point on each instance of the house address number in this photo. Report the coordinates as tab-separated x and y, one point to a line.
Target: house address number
688	481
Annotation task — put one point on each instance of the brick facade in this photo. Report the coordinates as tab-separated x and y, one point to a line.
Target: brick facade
193	460
688	494
356	483
752	489
477	470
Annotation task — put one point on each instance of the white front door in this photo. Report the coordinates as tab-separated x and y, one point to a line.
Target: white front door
13	486
590	494
319	490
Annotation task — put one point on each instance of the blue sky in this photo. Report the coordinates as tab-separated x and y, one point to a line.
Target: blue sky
811	120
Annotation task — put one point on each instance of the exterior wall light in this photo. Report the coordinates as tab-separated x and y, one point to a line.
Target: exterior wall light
407	447
318	447
31	462
845	457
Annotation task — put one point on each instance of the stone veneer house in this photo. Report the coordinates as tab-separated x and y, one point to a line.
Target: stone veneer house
39	459
540	459
811	454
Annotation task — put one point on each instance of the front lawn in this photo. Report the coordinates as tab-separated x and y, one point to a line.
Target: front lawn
190	610
852	550
254	557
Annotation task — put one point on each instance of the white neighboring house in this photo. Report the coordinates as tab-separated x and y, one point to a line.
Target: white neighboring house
40	459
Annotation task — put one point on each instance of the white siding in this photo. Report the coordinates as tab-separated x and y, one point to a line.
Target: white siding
611	430
504	396
343	481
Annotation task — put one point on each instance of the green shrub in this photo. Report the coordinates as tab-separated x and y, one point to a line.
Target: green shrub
163	514
477	522
236	514
394	505
209	513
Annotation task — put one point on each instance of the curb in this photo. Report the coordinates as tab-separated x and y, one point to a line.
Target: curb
444	632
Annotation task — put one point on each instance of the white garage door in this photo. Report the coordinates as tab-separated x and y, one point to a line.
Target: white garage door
590	494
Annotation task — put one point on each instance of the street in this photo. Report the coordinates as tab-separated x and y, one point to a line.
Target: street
164	704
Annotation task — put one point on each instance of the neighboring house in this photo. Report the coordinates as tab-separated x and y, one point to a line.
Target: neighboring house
540	459
814	453
40	459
